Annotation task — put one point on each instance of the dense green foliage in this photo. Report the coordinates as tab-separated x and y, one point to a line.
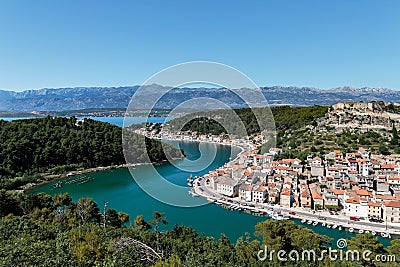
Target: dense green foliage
320	141
57	145
295	117
229	121
41	230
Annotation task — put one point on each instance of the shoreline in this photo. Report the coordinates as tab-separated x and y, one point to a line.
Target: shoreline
32	186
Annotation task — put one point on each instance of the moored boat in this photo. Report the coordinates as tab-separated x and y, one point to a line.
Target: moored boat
309	222
315	224
351	230
303	221
373	233
190	181
334	226
361	231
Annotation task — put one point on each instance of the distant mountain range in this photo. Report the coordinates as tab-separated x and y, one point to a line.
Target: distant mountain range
119	97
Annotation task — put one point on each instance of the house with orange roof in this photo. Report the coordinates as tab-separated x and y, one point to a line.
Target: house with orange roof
381	198
362	193
388	169
228	187
317	200
394	181
391	211
260	194
374	210
286	198
356	206
305	196
365	153
246	192
317	169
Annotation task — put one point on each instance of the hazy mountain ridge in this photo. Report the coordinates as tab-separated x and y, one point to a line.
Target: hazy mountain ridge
119	97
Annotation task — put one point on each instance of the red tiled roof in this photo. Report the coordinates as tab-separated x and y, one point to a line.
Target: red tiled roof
374	204
388	166
315	195
338	192
393	204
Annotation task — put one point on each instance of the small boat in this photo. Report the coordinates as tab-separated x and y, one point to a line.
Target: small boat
57	185
351	230
303	221
367	232
190	181
389	236
334	226
193	194
328	226
315	224
361	231
324	224
384	235
309	222
277	217
211	200
340	228
270	213
373	233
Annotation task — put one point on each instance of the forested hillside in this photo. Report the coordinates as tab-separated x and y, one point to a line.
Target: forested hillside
284	118
57	145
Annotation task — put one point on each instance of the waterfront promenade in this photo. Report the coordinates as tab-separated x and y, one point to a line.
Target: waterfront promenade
300	213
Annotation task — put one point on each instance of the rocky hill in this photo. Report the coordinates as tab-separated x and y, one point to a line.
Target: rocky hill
365	116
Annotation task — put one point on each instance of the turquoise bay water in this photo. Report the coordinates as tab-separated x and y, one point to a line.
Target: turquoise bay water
119	121
122	193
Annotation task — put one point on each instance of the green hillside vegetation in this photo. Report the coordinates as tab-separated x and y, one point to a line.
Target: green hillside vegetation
284	118
41	230
31	148
318	141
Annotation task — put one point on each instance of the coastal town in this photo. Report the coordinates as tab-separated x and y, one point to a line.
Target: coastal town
356	191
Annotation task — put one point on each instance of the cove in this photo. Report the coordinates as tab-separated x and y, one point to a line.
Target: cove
119	189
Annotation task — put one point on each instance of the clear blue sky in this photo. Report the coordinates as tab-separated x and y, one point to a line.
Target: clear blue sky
323	44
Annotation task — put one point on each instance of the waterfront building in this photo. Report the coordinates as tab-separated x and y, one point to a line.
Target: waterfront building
391	211
286	198
246	192
355	206
228	187
374	210
260	194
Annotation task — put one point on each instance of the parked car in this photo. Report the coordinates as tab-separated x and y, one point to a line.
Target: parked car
354	218
292	213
